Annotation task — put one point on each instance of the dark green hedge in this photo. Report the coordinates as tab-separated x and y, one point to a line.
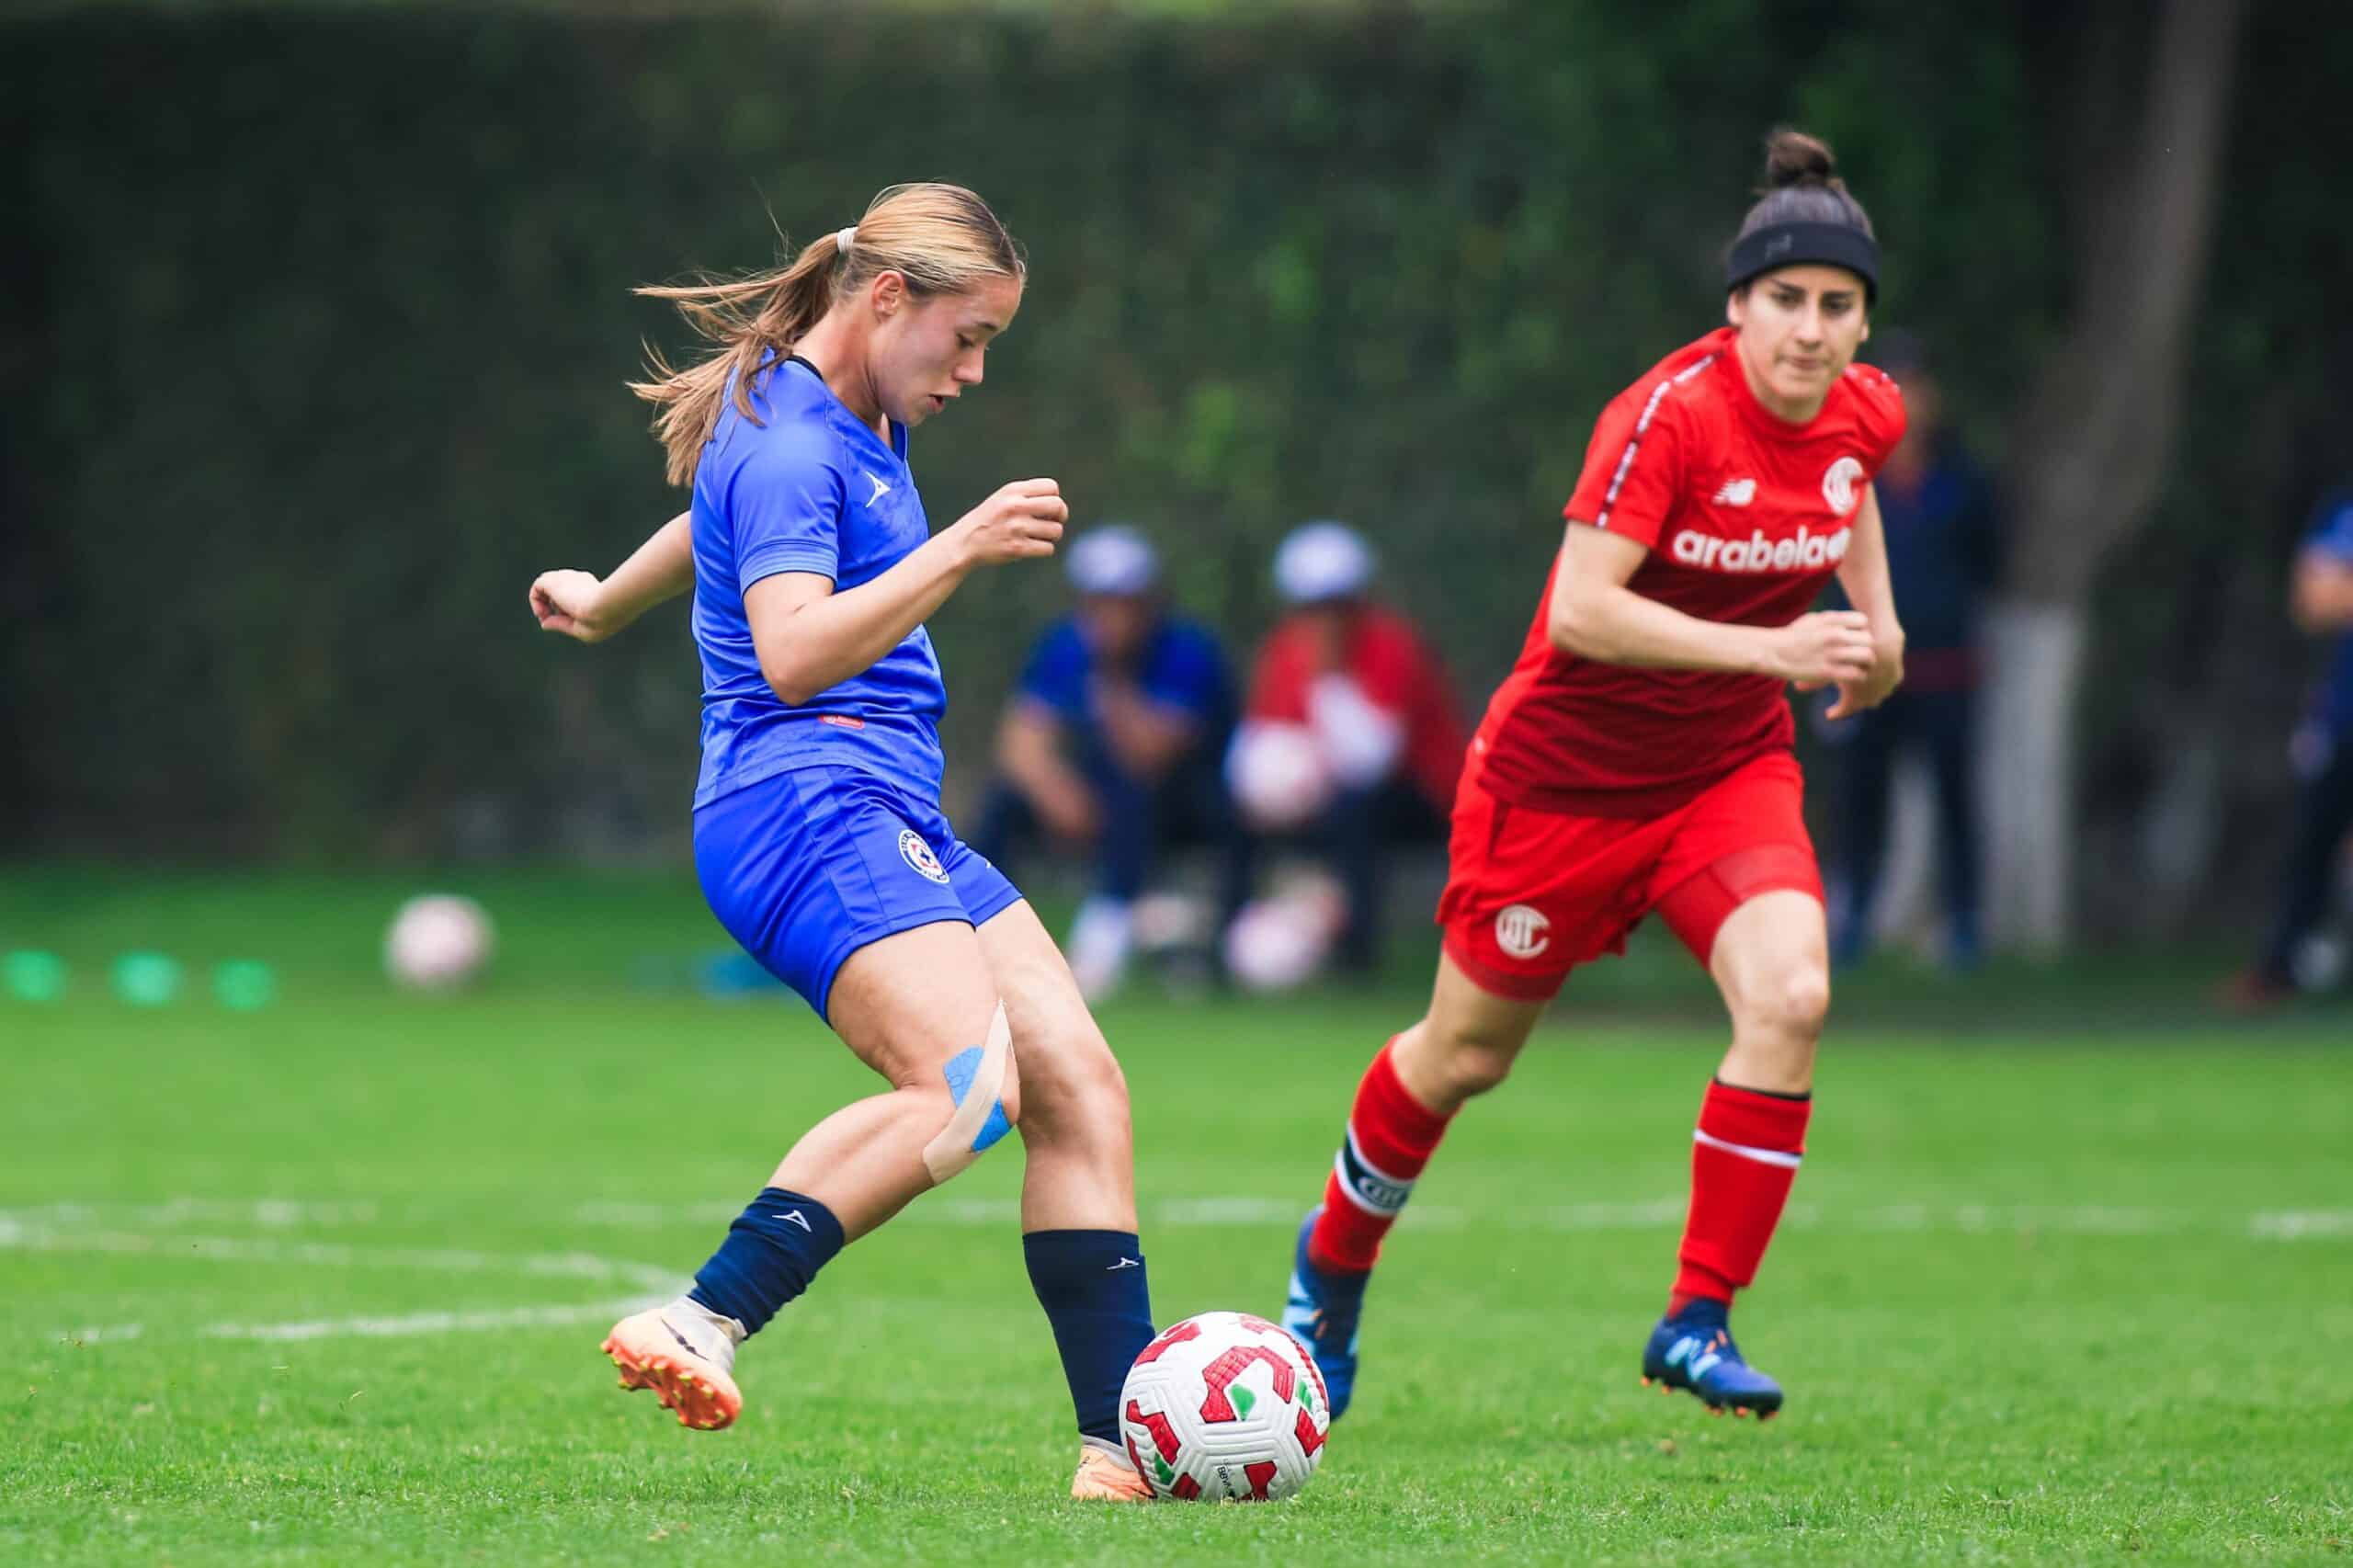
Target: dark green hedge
318	347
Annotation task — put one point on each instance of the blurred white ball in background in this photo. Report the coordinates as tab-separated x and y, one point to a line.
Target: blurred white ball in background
1277	774
1280	942
437	942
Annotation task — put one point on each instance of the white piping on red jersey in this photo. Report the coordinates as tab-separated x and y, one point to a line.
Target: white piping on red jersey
1634	442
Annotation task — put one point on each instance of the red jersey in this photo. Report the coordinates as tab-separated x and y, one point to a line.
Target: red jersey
1745	516
1398	673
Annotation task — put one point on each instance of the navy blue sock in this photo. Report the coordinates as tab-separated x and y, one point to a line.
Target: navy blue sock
772	1251
1093	1286
1703	1311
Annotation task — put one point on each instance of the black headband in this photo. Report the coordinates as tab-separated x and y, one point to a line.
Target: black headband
1795	245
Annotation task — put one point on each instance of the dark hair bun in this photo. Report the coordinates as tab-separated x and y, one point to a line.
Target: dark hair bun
1792	157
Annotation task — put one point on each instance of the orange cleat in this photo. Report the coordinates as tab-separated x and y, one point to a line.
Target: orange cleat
1106	1478
657	1350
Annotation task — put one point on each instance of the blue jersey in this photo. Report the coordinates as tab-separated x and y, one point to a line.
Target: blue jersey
1179	668
808	487
2332	536
1942	547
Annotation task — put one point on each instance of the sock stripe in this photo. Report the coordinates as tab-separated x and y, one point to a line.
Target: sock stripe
1366	1185
1780	1157
1354	1152
1362	1199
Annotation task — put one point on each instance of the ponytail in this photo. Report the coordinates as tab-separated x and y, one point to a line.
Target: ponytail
942	238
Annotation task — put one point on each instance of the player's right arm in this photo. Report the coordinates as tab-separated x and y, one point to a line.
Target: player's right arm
583	606
1595	615
1635	474
2321	597
810	638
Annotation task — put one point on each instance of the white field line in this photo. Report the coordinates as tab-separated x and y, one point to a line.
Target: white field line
1238	1212
270	1213
1653	1214
399	1326
335	1254
411	1324
2303	1224
37	1229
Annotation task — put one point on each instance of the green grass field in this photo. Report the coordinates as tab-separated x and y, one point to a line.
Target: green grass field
2066	1277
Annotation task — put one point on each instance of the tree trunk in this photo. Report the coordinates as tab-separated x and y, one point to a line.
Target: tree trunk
2026	783
2094	446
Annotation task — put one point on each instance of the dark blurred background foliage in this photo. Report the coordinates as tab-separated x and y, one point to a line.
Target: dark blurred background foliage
315	323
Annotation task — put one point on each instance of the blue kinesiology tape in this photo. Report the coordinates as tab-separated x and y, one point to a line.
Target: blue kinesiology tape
959	1072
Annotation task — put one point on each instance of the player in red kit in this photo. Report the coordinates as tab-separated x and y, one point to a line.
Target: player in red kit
1639	758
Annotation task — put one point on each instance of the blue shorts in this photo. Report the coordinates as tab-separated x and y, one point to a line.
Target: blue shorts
807	867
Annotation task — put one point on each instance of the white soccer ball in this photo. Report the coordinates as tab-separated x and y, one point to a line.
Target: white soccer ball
1225	1407
1279	942
437	942
1278	775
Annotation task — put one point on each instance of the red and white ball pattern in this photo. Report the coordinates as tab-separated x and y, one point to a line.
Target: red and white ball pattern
1225	1407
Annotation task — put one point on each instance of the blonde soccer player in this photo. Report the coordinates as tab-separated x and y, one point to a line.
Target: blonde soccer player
818	833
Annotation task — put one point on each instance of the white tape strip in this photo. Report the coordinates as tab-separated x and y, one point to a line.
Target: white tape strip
952	1149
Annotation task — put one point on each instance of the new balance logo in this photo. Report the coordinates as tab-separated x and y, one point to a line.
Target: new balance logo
1804	551
794	1216
1737	492
1125	1263
881	488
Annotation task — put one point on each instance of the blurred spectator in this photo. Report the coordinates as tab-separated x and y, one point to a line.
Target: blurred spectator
1111	747
1350	740
2320	600
1943	549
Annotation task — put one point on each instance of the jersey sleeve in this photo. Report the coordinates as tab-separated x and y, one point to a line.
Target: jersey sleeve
1884	419
785	504
1634	465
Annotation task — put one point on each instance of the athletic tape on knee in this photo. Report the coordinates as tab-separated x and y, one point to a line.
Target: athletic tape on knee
976	1083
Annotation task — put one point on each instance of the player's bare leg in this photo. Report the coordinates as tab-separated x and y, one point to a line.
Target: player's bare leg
906	1006
1461	1047
1466	1044
1771	962
1077	1190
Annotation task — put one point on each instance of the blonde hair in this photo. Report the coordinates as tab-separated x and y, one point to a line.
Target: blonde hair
942	238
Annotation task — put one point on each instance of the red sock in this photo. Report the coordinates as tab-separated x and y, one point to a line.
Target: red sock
1391	1137
1743	1157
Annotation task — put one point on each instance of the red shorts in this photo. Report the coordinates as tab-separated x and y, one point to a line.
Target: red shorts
1533	894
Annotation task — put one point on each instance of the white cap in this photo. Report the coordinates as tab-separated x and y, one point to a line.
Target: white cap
1114	559
1321	560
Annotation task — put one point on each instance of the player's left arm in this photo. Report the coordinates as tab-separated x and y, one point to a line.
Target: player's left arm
587	609
1147	735
1863	577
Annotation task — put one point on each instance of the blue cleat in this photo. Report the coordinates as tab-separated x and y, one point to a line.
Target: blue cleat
1694	1351
1322	1311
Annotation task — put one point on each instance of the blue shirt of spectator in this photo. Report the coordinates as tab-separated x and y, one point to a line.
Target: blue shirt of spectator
2332	537
1177	666
1941	547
